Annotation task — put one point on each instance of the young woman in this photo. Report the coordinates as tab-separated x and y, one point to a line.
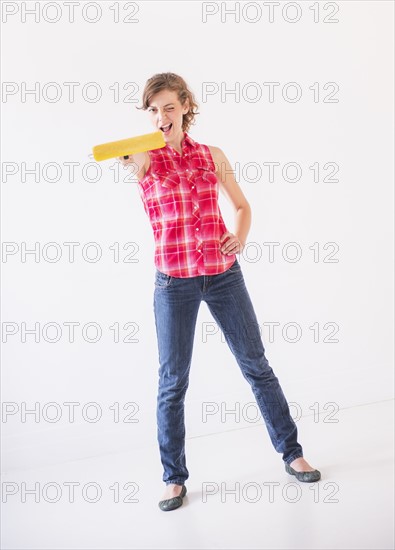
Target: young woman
195	259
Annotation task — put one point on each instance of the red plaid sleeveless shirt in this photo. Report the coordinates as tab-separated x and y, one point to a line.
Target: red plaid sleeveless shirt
180	197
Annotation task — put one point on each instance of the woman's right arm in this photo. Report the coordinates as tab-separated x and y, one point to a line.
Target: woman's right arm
138	163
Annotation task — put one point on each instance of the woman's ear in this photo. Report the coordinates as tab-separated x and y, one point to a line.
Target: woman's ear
185	107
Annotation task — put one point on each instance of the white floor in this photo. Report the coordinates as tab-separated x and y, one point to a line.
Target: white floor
239	495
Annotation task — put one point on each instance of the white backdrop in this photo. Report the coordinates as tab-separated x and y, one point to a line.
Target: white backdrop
327	125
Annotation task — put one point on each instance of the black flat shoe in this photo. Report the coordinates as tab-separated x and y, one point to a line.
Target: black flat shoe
307	477
174	502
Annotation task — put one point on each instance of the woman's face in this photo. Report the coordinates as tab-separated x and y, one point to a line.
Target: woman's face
166	113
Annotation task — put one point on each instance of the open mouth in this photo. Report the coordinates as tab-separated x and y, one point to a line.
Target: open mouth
166	129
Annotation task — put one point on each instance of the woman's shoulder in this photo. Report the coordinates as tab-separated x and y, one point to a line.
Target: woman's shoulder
216	154
214	150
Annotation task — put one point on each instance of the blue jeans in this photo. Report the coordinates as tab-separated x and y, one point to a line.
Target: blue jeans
176	305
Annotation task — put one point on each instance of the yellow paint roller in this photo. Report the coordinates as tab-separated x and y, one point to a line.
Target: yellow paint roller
130	146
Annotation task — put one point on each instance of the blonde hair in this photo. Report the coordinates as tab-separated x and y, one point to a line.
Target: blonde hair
172	82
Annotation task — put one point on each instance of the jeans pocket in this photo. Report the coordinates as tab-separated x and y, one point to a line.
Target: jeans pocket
162	280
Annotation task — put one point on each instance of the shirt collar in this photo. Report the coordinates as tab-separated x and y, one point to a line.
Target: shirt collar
187	142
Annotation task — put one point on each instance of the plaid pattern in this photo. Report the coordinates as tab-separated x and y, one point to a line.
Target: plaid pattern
180	197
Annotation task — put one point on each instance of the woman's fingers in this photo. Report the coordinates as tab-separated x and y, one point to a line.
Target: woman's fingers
126	161
232	245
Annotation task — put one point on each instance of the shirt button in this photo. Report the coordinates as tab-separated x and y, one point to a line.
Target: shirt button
197	229
193	187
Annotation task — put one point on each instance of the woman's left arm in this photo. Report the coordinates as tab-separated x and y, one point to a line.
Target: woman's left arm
234	242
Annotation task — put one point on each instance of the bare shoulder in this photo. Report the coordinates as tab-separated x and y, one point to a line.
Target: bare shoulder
222	164
217	154
226	179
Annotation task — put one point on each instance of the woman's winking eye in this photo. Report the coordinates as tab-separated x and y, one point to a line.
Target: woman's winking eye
154	109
